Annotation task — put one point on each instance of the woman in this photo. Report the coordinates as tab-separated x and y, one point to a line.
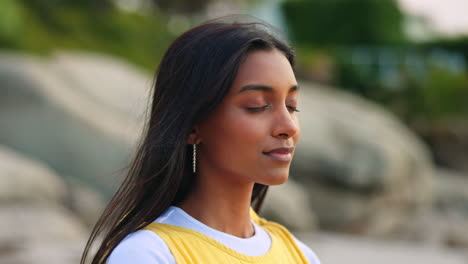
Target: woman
222	127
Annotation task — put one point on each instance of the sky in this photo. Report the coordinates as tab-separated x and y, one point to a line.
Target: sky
444	17
449	17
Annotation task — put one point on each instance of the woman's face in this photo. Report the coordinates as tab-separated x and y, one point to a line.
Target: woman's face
251	135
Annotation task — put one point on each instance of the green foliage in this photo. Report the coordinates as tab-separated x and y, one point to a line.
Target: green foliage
182	6
437	94
445	93
344	22
456	44
41	26
191	7
416	81
11	22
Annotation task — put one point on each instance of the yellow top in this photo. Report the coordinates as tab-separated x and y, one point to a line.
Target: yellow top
190	246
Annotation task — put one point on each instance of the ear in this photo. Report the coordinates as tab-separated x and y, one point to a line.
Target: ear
194	137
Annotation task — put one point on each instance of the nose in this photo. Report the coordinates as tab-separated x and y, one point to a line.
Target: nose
286	124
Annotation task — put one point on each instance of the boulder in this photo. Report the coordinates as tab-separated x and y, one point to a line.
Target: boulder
451	191
80	113
40	234
35	226
44	252
22	222
450	217
85	202
364	171
448	141
333	248
289	205
25	180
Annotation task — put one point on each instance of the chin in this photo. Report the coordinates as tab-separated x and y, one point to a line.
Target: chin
272	180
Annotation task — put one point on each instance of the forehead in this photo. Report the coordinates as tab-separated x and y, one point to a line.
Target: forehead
265	67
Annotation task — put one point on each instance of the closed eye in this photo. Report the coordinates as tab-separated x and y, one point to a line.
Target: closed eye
257	109
292	108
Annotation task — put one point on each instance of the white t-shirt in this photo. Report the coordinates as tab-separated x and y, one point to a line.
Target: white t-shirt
146	247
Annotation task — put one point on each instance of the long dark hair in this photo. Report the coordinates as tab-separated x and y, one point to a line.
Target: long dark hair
193	77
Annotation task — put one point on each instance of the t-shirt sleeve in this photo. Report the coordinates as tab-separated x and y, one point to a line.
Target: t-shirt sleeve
310	255
142	247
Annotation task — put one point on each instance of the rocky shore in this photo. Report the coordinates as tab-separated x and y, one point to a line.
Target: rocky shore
363	187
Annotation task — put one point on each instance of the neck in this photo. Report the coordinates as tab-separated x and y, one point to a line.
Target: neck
221	205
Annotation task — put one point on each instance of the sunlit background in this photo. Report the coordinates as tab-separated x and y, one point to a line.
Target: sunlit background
381	173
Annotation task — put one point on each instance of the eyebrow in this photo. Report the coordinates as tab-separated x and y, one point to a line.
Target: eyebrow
264	88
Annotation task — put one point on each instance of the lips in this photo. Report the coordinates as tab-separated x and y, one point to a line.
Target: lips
280	154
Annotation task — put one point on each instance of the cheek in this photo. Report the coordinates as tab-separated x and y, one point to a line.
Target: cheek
240	130
235	136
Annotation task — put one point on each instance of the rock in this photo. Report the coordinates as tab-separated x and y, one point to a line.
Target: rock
40	234
450	218
294	212
448	141
34	225
46	252
85	202
80	113
365	172
38	223
451	191
334	248
28	181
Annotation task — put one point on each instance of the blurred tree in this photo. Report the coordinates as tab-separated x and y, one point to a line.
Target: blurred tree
444	94
457	44
193	7
182	6
11	22
116	27
41	26
344	22
371	56
433	92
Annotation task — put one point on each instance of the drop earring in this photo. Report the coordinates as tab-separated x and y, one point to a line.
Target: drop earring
194	158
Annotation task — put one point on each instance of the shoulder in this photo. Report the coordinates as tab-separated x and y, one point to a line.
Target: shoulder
143	247
310	255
